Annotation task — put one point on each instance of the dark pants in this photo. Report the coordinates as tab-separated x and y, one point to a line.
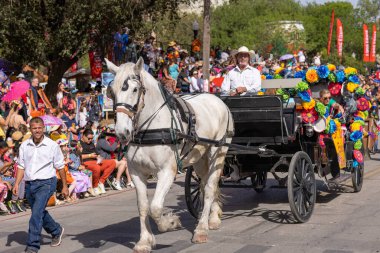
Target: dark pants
38	193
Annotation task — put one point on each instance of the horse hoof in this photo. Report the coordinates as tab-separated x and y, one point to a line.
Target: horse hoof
142	249
214	225
200	237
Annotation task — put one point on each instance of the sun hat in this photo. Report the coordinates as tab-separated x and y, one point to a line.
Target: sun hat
172	43
16	136
54	128
243	50
21	75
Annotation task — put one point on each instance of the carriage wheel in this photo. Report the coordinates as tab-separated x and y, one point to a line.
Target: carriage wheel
259	181
193	192
301	187
357	177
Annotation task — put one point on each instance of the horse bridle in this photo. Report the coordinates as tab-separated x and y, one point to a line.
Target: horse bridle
132	110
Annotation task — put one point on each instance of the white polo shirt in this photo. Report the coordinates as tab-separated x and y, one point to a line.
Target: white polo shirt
249	78
40	162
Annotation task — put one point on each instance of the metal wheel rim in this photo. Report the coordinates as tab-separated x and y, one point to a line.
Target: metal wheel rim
194	194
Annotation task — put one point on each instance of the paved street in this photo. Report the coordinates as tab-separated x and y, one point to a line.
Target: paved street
342	222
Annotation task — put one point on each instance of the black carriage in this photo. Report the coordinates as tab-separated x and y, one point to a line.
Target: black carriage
271	138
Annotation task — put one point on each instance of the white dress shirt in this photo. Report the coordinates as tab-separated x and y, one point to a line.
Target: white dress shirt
249	78
195	84
40	162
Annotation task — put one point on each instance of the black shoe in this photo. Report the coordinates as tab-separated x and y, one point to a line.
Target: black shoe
30	251
12	207
56	240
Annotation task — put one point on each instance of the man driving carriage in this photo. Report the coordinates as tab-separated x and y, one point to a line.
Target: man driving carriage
243	79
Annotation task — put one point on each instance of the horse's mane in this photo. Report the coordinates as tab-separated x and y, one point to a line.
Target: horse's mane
128	70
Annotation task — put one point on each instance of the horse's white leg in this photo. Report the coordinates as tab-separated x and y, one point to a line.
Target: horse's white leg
147	241
214	162
216	212
165	178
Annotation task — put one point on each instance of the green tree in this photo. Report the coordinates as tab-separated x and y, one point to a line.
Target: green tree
56	33
369	9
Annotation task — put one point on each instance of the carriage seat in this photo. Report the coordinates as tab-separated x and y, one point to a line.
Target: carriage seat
261	119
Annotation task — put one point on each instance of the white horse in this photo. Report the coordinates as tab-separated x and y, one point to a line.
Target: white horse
140	104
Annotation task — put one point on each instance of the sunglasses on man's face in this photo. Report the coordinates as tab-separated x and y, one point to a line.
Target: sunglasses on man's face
326	98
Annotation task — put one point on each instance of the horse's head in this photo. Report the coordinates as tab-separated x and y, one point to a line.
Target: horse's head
127	92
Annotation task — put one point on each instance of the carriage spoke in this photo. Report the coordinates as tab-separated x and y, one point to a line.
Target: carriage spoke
196	178
194	191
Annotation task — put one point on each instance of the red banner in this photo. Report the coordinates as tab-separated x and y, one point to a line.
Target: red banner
365	44
339	37
330	32
95	64
372	55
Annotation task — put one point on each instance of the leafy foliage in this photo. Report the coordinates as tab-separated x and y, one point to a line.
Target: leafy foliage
56	33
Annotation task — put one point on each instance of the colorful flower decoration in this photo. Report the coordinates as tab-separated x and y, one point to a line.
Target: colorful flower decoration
358	156
277	76
360	91
300	74
321	109
305	95
331	125
356	135
350	71
282	92
332	77
362	104
269	77
260	93
309	116
308	105
358	145
312	76
355	164
331	67
263	77
340	76
323	71
302	86
335	88
355	127
354	79
351	87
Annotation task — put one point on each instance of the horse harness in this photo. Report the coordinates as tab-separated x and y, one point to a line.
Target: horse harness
184	134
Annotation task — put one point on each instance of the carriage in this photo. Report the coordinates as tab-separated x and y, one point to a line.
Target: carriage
270	137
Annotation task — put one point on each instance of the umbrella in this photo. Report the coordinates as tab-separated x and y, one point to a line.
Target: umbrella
17	89
51	120
286	57
4	79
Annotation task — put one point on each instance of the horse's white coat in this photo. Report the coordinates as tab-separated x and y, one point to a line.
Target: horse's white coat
213	121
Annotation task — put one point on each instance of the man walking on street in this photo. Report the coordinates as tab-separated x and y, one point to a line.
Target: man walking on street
39	157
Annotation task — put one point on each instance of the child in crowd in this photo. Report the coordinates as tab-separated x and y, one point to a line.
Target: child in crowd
3	196
79	172
70	180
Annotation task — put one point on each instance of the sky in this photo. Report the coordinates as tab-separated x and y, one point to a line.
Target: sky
353	2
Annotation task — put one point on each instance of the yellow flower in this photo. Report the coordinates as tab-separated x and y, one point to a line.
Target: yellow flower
331	67
361	115
263	77
260	93
308	105
312	76
351	87
355	126
350	71
278	70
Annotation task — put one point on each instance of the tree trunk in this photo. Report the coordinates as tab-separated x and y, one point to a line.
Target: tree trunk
206	42
57	69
